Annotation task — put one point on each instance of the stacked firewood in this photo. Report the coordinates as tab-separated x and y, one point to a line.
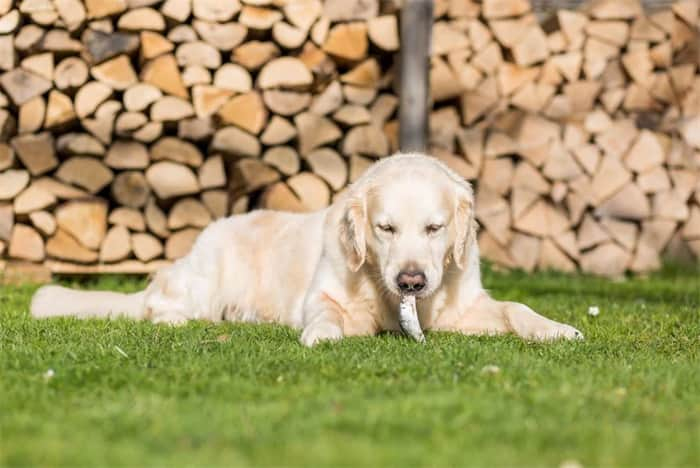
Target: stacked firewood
127	126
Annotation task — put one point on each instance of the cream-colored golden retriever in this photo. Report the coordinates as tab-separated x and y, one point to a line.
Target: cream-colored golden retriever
406	227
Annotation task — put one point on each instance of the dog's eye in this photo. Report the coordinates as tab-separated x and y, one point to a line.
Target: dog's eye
388	228
433	228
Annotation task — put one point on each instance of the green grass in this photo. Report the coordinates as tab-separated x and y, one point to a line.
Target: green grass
251	395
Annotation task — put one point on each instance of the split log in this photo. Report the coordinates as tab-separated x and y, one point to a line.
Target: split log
163	73
65	247
188	212
116	245
146	247
36	152
131	189
22	85
128	217
347	42
383	31
217	202
31	115
314	131
246	111
236	142
212	173
208	100
26	244
278	131
180	243
313	193
89	97
40	64
169	179
85	220
85	172
234	78
155	219
7	156
254	54
224	37
328	165
12	182
175	149
198	53
249	175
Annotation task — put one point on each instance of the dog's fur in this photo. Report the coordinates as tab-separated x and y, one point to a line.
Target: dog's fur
332	273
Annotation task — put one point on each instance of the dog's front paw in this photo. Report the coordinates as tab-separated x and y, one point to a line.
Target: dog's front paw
320	331
557	331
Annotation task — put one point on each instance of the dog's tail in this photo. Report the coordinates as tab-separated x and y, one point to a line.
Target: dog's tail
57	301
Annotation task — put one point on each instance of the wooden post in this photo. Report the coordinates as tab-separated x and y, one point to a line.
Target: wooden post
416	24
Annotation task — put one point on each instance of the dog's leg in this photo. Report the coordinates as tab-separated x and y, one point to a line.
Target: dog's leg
323	320
488	316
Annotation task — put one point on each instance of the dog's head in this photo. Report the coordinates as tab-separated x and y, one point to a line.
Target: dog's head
407	218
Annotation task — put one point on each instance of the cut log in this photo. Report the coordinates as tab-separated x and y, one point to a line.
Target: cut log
246	111
59	110
257	18
446	38
32	199
177	10
328	100
129	122
171	108
351	115
39	64
347	42
313	193
146	247
163	73
138	97
169	179
645	154
607	259
142	18
330	166
622	232
283	158
195	129
80	143
65	247
130	189
249	175
116	245
7	221
180	243
188	212
254	54
22	85
525	251
44	222
85	172
155	219
212	173
224	37
59	189
105	45
89	97
36	152
236	142
288	36
278	131
85	220
12	182
590	233
149	132
552	258
497	174
128	217
26	244
31	115
125	154
216	202
215	10
366	140
198	54
116	73
103	8
542	220
314	131
154	44
383	31
504	8
303	14
209	99
628	203
531	48
177	150
7	156
234	78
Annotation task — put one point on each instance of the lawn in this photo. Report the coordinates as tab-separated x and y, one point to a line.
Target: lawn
126	393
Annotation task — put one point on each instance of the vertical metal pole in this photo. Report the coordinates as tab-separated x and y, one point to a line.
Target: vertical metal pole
416	28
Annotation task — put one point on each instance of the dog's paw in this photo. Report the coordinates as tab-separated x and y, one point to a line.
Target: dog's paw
557	331
320	331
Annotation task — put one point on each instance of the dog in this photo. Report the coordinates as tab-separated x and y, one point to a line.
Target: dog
405	227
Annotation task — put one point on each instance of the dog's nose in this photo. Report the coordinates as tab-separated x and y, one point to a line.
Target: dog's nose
411	281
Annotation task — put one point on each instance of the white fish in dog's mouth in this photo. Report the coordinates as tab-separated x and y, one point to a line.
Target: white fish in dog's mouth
408	318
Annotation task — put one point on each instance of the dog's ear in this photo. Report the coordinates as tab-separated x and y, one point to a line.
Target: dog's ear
352	233
465	225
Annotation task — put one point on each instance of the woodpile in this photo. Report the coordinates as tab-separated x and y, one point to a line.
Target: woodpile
128	126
